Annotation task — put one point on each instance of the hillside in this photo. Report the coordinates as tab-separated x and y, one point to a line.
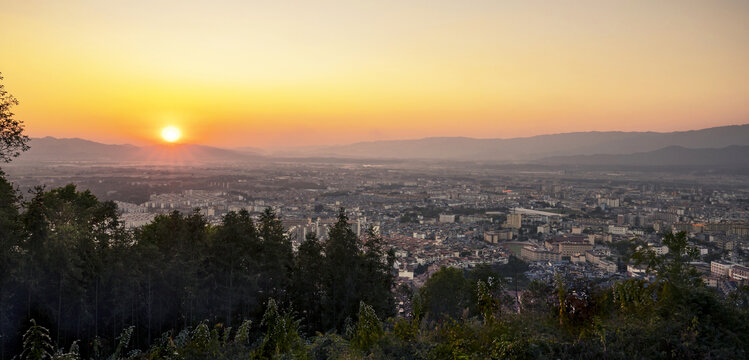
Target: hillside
536	147
50	149
735	156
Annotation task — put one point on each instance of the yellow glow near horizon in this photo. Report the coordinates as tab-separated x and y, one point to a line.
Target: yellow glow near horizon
171	134
271	74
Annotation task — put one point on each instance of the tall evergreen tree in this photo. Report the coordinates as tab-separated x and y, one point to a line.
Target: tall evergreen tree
342	251
10	270
307	291
275	255
171	249
231	264
377	279
355	272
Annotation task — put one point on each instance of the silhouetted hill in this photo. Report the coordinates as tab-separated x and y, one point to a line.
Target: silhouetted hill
54	149
250	150
536	147
189	153
731	156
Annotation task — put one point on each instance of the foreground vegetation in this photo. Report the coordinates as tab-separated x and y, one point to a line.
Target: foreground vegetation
75	285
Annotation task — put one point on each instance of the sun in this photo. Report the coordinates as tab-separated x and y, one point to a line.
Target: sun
171	134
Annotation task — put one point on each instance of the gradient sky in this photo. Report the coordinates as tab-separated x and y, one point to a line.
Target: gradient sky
286	73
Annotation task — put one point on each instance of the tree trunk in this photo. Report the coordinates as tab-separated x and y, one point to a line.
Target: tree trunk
59	308
231	293
96	308
149	307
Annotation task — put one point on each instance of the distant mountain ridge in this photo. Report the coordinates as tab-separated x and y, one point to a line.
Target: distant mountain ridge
535	147
730	156
50	149
543	148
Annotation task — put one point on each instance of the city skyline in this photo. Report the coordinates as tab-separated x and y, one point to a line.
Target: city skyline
268	75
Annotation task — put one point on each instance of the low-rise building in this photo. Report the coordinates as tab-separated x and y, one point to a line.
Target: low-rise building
447	218
617	230
494	237
739	273
720	268
537	253
567	246
607	266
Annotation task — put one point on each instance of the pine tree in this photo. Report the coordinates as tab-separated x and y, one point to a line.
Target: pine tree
230	266
281	333
276	256
368	329
11	272
307	286
37	345
342	269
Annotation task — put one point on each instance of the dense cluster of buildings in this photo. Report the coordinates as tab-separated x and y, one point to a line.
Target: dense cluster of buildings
459	215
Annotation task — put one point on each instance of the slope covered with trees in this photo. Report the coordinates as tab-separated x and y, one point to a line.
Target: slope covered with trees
68	264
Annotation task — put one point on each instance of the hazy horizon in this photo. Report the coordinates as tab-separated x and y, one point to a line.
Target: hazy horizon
270	148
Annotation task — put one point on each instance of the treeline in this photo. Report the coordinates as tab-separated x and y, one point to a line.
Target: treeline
75	285
67	263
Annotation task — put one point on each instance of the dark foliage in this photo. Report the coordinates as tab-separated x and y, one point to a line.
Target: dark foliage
68	263
12	139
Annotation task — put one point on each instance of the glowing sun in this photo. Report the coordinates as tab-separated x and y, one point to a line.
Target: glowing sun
171	134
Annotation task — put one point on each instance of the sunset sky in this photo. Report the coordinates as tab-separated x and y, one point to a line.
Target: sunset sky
287	73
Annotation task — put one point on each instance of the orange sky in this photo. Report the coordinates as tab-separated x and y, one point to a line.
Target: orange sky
274	73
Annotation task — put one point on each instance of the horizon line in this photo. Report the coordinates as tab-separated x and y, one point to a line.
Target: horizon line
391	140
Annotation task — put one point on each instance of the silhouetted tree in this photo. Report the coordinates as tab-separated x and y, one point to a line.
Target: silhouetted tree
12	139
447	293
342	250
275	255
11	277
307	286
230	266
355	272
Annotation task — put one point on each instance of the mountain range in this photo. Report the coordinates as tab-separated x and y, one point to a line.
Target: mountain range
718	145
50	149
536	147
675	156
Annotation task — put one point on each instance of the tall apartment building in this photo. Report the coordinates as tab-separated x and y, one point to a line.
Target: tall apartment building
514	221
